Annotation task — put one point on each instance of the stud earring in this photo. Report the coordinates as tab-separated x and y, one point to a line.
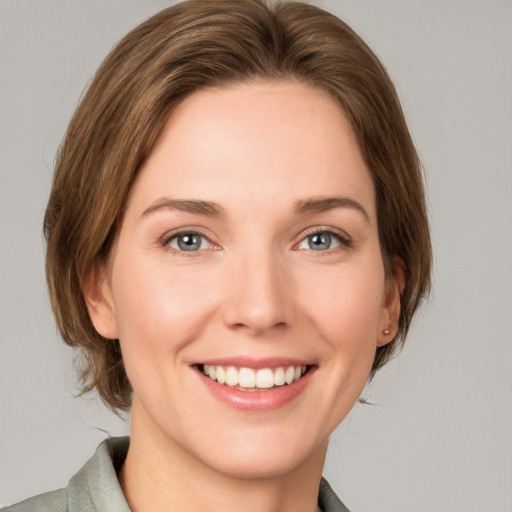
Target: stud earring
386	331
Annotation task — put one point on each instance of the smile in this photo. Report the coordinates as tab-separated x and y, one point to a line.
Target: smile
249	379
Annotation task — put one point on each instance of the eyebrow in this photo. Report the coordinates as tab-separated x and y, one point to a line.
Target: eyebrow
326	203
185	205
301	207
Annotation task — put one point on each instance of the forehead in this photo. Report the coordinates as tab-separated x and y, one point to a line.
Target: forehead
278	140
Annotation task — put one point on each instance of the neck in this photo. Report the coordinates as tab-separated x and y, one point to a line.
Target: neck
158	474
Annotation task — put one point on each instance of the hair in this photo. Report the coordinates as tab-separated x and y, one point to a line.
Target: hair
209	43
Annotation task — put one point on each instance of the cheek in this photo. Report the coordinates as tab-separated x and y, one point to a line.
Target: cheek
346	308
158	308
158	312
348	302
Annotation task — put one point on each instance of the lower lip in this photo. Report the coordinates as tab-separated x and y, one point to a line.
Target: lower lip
258	401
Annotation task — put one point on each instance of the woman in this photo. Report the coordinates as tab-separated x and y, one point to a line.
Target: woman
237	241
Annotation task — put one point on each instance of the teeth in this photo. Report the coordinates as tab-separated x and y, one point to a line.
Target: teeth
265	378
279	378
231	376
248	378
221	375
289	375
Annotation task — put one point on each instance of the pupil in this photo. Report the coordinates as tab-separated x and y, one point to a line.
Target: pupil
320	241
189	242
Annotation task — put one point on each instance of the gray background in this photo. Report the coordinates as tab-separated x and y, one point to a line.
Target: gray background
440	437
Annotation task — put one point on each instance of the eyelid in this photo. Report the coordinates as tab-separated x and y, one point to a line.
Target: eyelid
343	237
187	230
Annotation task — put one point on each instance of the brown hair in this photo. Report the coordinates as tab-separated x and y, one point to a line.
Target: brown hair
198	44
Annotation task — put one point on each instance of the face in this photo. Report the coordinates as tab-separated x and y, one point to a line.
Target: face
246	284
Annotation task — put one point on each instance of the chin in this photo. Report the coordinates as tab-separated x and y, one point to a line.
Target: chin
263	454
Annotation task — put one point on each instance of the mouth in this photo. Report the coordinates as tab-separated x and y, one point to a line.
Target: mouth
252	379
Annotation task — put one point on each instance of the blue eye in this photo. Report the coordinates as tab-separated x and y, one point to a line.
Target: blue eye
188	242
320	241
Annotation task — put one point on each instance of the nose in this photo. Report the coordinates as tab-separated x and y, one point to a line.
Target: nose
260	294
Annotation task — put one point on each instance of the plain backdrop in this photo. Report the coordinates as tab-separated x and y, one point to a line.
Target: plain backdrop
440	435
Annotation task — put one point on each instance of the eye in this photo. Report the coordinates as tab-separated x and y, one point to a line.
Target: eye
188	242
323	240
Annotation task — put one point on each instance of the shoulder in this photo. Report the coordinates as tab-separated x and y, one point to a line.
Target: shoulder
94	488
55	501
328	501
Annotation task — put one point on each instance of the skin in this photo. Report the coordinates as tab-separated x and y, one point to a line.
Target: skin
254	288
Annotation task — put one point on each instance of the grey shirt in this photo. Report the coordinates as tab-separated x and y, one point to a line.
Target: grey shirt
95	488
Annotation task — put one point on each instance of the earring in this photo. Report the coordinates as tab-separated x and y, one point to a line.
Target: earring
387	331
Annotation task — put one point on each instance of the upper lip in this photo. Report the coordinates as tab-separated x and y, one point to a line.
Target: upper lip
249	362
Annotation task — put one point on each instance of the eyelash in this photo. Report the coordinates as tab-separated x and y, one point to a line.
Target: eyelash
342	238
166	240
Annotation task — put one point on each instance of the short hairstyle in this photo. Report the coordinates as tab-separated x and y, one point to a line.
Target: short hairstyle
206	43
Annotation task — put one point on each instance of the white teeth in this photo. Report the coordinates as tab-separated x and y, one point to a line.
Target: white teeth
248	378
265	378
232	376
221	375
279	379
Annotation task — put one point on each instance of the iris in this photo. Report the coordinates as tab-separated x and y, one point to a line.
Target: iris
320	241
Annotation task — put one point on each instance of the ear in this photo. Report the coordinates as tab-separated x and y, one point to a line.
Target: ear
391	307
98	298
